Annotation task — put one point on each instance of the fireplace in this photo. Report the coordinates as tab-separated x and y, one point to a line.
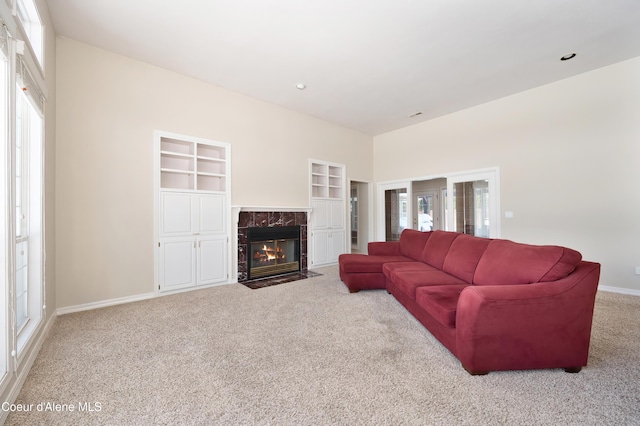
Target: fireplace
272	251
252	218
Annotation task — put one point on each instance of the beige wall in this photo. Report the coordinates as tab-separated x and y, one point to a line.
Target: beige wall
569	158
108	108
567	154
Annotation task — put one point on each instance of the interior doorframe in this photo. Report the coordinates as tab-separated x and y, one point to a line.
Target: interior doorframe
363	237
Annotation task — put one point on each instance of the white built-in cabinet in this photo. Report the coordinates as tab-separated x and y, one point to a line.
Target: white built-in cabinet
192	210
328	229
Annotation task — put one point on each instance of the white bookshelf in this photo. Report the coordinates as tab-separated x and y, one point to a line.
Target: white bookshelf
192	166
328	231
192	212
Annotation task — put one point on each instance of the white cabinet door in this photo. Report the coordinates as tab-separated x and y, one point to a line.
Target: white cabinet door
212	259
193	240
336	247
327	214
320	214
211	211
176	214
337	212
328	222
188	214
177	263
320	247
327	246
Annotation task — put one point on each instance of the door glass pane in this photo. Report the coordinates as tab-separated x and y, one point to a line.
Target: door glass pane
471	207
354	216
425	204
445	208
396	213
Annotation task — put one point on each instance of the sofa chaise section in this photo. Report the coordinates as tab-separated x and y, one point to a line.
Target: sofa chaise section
364	271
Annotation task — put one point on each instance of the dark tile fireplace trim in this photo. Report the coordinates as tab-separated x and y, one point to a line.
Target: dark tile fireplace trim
248	219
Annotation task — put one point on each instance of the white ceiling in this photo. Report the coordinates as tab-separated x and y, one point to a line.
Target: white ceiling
367	64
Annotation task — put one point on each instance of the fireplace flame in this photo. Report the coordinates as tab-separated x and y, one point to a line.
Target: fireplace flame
272	254
269	252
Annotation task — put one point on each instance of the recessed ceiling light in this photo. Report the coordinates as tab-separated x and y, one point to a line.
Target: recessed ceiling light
568	56
415	114
301	86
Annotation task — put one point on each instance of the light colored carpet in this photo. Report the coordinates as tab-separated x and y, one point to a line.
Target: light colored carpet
310	353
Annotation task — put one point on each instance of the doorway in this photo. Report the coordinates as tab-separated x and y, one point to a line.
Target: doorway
360	211
425	204
428	204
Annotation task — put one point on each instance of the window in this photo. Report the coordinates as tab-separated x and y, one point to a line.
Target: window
4	211
28	204
22	192
32	25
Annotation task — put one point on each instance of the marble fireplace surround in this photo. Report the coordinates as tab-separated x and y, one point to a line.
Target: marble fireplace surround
246	217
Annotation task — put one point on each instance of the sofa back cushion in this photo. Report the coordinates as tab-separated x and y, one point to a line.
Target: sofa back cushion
463	257
437	247
412	243
507	262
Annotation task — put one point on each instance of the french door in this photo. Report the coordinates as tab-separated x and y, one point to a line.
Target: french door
394	210
473	203
470	204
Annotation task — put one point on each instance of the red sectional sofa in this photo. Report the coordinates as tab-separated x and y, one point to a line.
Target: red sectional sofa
495	304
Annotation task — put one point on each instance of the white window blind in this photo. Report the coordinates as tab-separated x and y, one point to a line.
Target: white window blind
28	85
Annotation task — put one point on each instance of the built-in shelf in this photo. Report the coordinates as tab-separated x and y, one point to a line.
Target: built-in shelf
328	232
192	199
327	181
192	166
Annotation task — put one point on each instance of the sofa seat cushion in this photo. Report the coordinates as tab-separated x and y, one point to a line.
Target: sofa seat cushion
441	302
361	263
507	262
407	282
391	269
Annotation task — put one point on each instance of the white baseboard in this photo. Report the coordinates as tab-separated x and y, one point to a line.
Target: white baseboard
620	290
105	303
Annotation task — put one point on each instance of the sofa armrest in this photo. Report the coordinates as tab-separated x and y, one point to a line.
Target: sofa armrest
384	248
541	325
